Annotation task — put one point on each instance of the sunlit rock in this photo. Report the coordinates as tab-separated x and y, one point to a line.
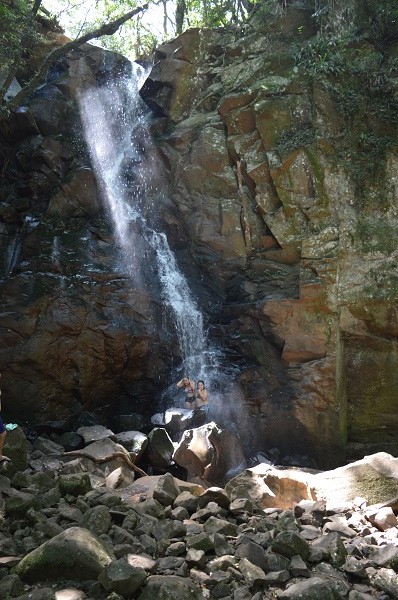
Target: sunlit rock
374	478
210	452
120	477
267	486
194	451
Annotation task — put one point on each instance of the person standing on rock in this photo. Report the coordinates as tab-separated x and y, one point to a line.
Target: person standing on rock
190	392
202	395
3	433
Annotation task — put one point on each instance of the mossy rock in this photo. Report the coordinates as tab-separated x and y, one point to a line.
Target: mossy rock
73	554
75	484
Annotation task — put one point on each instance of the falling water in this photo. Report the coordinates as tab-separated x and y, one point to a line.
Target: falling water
116	129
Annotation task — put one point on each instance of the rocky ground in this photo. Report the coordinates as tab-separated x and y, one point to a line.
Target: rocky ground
78	530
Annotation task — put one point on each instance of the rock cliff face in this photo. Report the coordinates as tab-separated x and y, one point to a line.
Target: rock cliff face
282	211
289	211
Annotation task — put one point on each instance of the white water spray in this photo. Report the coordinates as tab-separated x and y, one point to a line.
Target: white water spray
116	129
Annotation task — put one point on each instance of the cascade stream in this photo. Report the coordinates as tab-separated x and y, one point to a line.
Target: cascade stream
116	125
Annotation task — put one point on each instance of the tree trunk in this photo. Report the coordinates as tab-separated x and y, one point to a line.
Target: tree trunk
180	15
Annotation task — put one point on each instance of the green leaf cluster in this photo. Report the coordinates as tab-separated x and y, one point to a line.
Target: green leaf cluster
379	18
16	29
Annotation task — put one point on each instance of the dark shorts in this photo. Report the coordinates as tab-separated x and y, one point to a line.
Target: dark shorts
2	426
190	400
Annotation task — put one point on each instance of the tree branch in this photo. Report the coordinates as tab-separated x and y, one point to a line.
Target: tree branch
55	54
36	6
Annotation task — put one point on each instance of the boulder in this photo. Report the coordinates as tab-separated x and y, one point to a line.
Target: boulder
228	458
75	484
160	448
135	442
121	577
106	454
211	453
177	420
166	490
289	544
94	433
311	589
18	503
267	486
374	478
71	440
194	452
120	477
97	520
73	554
15	447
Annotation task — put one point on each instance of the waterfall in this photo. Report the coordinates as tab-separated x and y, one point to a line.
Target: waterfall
188	319
129	173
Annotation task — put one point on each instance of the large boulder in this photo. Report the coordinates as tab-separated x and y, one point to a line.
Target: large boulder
15	447
267	486
194	452
374	479
160	448
121	577
73	554
210	452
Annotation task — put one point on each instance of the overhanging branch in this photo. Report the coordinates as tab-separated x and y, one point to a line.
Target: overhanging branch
55	54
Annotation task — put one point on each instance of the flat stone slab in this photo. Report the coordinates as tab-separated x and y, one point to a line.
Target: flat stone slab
94	433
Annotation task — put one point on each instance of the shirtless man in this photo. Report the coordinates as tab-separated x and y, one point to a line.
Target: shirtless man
3	433
190	392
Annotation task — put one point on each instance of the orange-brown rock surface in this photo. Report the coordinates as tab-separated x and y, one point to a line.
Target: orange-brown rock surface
290	253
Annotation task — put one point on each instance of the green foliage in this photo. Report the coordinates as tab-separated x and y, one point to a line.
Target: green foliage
365	87
375	19
267	9
215	13
78	20
162	21
358	76
379	18
292	139
322	56
17	30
